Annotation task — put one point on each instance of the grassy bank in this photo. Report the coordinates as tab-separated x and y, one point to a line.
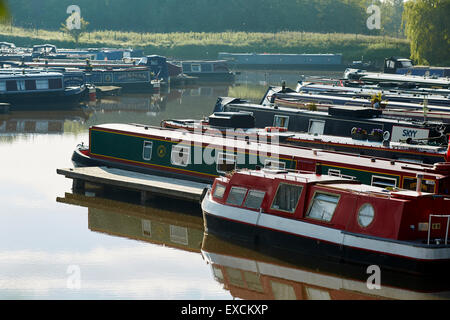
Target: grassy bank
208	45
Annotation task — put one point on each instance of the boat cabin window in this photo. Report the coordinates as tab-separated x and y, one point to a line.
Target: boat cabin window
21	85
254	199
2	86
236	196
55	83
30	84
274	165
406	64
42	84
219	191
366	215
323	206
287	197
147	151
207	68
316	126
11	85
146	228
390	64
196	68
179	235
226	162
181	155
384	182
411	184
281	121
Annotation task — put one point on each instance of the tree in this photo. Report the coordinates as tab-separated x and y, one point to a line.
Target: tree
75	33
427	27
4	12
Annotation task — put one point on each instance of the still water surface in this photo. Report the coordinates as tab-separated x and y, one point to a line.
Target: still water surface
58	245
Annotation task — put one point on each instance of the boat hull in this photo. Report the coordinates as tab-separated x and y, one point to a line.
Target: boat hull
294	247
80	159
69	96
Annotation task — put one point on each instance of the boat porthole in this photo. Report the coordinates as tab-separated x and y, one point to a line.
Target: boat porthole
366	214
161	151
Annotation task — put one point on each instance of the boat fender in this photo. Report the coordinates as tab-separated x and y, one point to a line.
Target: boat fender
447	155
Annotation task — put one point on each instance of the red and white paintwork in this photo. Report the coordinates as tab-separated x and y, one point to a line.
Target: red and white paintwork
397	229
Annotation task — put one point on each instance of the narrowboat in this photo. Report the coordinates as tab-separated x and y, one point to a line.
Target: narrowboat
398	65
394	110
373	77
323	99
32	88
146	68
284	61
295	213
202	157
252	275
208	70
375	144
335	120
129	79
369	93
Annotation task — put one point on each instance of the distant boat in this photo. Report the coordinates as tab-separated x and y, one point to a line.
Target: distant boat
37	88
280	60
402	70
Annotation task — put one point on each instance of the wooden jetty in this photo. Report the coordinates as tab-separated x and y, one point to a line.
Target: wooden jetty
147	185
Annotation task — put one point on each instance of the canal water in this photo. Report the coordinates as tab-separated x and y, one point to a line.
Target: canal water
103	245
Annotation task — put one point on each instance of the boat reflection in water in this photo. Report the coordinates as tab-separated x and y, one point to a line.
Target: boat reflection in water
41	121
158	223
248	274
244	273
139	102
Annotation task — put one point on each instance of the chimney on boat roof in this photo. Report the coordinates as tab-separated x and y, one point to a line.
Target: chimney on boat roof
318	169
419	182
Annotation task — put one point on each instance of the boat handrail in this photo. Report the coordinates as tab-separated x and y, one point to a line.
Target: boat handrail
430	226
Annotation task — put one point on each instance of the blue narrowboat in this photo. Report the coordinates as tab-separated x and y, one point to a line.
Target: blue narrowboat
38	87
278	60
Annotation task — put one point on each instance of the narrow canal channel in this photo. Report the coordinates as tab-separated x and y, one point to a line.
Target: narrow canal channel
104	245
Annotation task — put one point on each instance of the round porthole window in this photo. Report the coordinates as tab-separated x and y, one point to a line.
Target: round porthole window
365	215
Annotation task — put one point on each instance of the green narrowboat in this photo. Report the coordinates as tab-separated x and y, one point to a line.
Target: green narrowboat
202	157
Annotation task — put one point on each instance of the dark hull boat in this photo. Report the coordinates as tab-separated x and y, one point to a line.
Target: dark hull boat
385	94
39	88
286	97
336	120
222	124
284	61
202	157
297	214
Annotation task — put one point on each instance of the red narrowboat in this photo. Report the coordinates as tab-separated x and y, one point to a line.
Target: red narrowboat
293	214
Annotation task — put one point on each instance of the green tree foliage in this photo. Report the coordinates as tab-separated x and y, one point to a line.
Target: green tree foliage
75	33
329	16
4	12
427	26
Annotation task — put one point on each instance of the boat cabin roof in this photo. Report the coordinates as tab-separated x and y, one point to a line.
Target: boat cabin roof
331	182
283	151
12	75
